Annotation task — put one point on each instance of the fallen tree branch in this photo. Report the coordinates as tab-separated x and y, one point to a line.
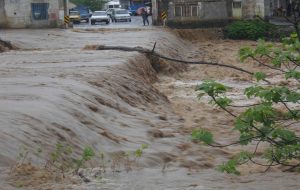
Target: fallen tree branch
152	53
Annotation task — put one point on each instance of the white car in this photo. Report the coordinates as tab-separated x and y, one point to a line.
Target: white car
120	15
100	16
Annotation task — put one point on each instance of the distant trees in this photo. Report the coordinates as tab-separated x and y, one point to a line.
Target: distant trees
92	4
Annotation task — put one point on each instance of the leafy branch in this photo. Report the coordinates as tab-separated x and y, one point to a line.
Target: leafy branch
268	120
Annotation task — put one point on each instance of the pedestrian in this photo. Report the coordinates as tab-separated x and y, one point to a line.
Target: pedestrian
145	16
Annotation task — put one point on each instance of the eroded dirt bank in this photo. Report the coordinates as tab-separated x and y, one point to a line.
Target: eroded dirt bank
54	91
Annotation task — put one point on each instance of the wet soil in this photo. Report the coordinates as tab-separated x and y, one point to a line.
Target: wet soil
6	46
55	90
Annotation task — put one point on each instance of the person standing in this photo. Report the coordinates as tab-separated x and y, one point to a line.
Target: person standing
145	16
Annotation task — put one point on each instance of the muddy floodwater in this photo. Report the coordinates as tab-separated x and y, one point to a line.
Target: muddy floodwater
56	88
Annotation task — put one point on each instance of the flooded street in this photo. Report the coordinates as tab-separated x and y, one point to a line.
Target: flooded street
58	89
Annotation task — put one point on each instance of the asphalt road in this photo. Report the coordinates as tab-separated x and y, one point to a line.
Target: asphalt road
136	22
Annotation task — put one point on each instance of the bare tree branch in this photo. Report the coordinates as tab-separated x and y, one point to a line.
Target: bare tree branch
152	53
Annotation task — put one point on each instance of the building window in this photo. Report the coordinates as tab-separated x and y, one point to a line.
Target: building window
194	11
237	4
186	10
39	11
178	10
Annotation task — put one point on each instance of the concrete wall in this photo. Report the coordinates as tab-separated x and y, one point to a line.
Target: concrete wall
213	9
262	8
18	14
248	9
2	14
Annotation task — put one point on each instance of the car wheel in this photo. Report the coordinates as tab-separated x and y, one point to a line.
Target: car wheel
107	22
92	23
129	20
116	20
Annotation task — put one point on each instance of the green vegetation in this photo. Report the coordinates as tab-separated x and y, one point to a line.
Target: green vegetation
92	4
273	116
62	159
250	29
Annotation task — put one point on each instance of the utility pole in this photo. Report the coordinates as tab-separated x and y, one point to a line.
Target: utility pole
65	12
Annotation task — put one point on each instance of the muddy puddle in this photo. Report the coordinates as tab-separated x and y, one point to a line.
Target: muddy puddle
54	90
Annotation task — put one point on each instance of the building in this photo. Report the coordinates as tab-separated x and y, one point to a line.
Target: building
199	11
31	13
265	8
190	11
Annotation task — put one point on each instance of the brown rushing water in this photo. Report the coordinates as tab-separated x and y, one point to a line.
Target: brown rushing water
54	91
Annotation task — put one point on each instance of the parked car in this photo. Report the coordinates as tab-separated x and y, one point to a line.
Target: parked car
120	15
85	15
100	16
85	12
75	17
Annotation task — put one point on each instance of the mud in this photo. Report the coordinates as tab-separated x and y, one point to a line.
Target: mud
6	46
59	89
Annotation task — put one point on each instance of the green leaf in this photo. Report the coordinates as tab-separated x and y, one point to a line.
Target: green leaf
285	134
294	35
229	167
253	91
202	135
245	53
138	153
262	48
243	157
212	88
241	125
261	113
223	102
260	76
88	153
293	97
279	59
292	74
245	138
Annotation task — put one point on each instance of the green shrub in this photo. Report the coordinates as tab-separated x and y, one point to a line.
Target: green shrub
250	29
